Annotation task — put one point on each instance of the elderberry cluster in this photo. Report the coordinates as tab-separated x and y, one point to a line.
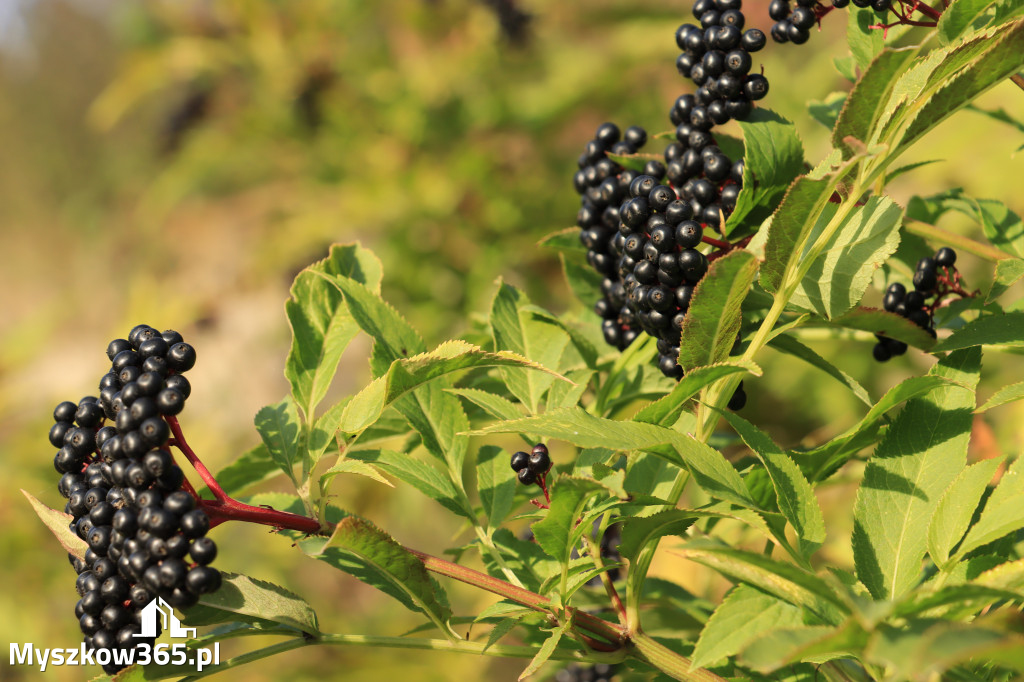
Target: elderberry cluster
530	467
644	229
125	494
914	305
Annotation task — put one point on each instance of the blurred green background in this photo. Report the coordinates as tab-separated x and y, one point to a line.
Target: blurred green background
176	163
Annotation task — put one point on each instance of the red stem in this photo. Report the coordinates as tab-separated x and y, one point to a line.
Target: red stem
224	507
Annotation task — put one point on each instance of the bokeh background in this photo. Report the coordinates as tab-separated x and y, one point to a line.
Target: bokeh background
176	163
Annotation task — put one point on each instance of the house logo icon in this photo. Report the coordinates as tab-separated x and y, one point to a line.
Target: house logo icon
159	609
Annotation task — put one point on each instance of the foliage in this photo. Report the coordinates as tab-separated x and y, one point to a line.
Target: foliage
934	578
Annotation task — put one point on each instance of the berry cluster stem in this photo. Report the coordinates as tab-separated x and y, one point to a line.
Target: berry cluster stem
225	508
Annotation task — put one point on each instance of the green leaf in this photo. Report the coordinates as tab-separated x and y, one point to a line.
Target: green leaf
555	532
826	111
838	277
956	508
788	344
251	467
773	157
889	324
324	431
1003	512
354	466
923	649
497	484
710	469
408	374
713	319
1008	273
814	644
521	332
280	428
864	42
1003	228
241	595
422	476
321	324
791	224
546	649
1007	394
58	522
368	553
786	581
634	161
640	531
962	16
666	411
1000	60
1005	330
916	461
584	281
496	405
795	496
744	616
865	106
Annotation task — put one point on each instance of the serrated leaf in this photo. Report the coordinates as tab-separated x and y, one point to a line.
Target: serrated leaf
864	42
496	405
1008	272
794	494
521	332
1003	512
1006	394
408	374
1004	330
281	429
916	461
58	522
497	484
1006	576
242	595
962	16
786	581
713	319
956	508
321	324
1000	59
889	324
745	615
546	649
870	95
791	223
324	431
710	469
788	344
638	532
501	629
422	476
666	411
900	393
555	531
773	157
357	467
361	549
837	278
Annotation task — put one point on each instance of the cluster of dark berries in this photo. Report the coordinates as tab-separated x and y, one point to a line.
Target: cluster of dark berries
914	305
793	25
145	534
531	467
642	230
574	672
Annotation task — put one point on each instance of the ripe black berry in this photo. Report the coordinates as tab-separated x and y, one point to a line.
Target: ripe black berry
540	461
527	477
945	257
